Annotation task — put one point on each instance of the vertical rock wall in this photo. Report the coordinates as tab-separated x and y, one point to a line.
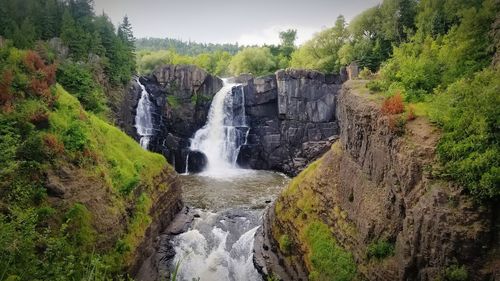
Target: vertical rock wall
292	119
291	114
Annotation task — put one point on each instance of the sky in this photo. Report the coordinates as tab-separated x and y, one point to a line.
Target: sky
248	22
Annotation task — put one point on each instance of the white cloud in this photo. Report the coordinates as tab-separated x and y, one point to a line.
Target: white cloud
271	35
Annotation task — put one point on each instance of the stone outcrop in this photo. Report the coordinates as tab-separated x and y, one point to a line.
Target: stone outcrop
182	95
165	207
291	117
372	186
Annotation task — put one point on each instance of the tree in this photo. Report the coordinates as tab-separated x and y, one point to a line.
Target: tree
82	11
125	33
50	20
288	42
74	36
24	37
322	51
254	60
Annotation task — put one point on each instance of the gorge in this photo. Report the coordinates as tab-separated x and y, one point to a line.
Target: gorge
370	185
366	151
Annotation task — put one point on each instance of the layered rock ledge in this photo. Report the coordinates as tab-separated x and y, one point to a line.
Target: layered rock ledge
374	186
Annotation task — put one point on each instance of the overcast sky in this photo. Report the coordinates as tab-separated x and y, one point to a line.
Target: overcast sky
247	22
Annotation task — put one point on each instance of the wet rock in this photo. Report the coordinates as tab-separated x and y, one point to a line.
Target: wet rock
181	95
286	111
197	161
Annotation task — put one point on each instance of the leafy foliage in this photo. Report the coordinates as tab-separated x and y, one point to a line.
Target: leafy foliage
456	273
45	129
380	249
321	52
257	61
78	79
469	150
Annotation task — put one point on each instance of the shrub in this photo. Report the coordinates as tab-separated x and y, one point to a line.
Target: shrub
5	91
78	79
410	114
54	146
456	273
393	105
365	74
75	137
397	125
285	244
173	101
380	249
376	86
78	226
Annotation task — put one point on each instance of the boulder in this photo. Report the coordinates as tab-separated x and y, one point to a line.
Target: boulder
197	161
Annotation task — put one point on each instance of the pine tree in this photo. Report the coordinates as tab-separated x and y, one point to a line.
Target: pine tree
25	36
74	36
50	20
125	33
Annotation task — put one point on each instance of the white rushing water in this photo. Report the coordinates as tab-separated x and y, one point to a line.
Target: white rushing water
143	121
217	248
224	133
219	243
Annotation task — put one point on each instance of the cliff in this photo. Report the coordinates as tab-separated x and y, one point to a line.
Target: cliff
290	114
291	118
182	95
371	202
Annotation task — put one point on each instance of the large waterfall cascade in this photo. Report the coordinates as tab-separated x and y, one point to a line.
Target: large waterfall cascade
143	119
225	132
229	201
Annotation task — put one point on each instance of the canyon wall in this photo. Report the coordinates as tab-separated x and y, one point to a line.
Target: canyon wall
384	212
291	117
291	114
181	95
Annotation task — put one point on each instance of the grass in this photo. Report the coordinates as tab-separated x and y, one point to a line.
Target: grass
328	260
117	159
121	160
300	206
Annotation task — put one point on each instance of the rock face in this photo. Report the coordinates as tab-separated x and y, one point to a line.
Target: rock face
164	209
181	95
375	186
291	117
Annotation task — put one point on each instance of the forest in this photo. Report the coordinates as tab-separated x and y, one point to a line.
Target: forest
62	68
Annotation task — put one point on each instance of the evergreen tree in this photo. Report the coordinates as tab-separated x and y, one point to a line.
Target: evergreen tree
74	36
24	37
125	33
51	20
82	11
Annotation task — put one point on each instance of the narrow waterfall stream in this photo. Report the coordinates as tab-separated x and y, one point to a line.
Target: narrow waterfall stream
228	201
143	120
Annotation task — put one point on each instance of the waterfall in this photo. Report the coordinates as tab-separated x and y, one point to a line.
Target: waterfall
222	252
225	131
143	121
187	164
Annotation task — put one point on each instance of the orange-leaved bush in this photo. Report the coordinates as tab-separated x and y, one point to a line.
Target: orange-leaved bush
393	105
